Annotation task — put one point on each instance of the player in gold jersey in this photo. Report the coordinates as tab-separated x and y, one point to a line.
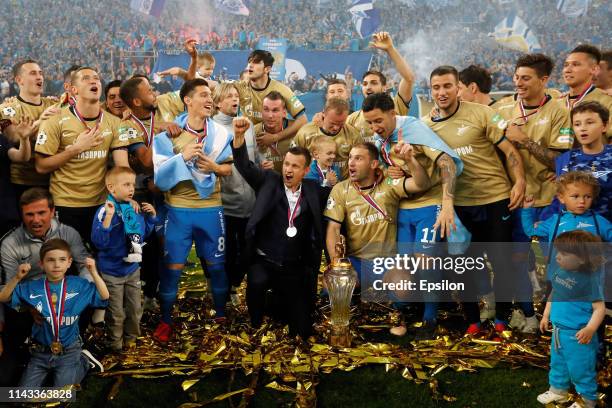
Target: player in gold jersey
426	218
374	82
484	195
579	71
536	124
540	127
74	146
334	126
258	85
141	100
274	115
30	105
366	204
193	197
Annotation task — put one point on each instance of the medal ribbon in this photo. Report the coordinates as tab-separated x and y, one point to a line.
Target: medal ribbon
386	155
80	117
200	136
524	114
368	199
320	171
148	135
56	320
292	212
383	151
580	97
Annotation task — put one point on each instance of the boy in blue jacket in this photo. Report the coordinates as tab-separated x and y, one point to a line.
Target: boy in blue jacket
577	191
117	233
323	169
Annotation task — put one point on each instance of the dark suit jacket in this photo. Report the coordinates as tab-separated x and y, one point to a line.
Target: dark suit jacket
269	189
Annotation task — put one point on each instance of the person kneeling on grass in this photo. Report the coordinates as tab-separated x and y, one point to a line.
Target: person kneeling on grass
60	299
576	309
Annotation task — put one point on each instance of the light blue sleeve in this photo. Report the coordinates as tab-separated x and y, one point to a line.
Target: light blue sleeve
542	229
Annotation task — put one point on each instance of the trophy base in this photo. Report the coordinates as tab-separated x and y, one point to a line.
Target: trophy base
340	336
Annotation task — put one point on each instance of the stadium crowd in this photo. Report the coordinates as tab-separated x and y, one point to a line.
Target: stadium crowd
123	42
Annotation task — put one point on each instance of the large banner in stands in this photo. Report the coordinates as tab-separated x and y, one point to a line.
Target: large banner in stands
278	49
229	64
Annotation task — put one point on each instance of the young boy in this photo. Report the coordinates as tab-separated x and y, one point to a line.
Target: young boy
576	192
576	309
590	121
204	68
116	229
60	299
322	168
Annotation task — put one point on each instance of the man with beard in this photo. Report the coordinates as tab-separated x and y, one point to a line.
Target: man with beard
374	82
484	195
140	98
254	90
274	121
540	128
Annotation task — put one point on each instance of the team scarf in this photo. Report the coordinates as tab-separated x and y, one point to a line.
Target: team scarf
131	225
415	132
170	168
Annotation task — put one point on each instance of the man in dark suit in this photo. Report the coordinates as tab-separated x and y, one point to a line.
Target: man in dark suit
284	235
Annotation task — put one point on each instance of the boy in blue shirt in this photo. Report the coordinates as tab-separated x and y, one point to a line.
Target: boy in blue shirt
116	229
590	123
576	309
60	299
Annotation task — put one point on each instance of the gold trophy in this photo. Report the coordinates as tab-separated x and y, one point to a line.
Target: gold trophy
340	279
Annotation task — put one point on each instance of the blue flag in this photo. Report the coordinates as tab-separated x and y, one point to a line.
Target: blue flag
365	17
573	8
513	32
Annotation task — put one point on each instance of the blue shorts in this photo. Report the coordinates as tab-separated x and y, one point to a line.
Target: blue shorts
204	226
415	232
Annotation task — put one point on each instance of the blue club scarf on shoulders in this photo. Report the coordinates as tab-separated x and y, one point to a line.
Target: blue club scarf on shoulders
132	227
415	132
170	168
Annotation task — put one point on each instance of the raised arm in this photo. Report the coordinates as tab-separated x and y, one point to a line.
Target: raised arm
383	41
251	173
